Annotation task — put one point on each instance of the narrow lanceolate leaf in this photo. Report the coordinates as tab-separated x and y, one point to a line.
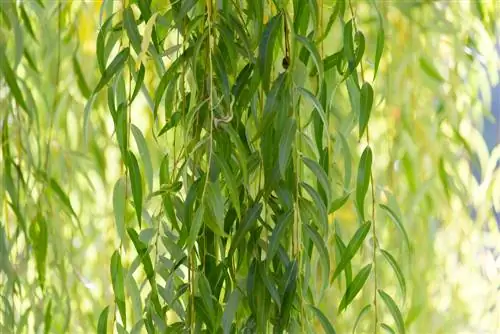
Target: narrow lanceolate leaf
324	256
363	311
315	102
231	183
315	57
246	224
142	251
39	240
320	175
395	312
102	324
339	202
136	184
132	30
380	40
113	68
365	107
48	318
352	248
349	42
195	228
145	156
320	206
282	223
346	153
355	286
80	78
230	311
138	83
397	271
285	145
121	127
323	320
11	79
101	41
62	196
116	270
266	48
395	218
363	180
119	207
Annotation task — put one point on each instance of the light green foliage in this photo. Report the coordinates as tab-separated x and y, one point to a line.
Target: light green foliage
247	166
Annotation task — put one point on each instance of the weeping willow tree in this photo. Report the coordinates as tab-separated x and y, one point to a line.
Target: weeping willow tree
248	166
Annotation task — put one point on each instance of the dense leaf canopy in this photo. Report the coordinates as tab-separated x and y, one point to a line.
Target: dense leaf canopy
248	166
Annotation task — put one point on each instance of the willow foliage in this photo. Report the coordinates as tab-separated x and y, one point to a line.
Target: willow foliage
247	166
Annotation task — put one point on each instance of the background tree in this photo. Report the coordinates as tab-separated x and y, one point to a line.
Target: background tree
263	166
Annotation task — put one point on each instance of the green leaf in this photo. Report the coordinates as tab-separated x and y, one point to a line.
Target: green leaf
430	69
62	196
319	205
116	270
282	223
10	78
231	183
285	145
113	68
138	83
348	268
266	48
195	228
289	284
320	175
397	271
102	324
315	56
39	240
395	312
145	156
319	108
363	311
339	202
100	43
48	318
349	42
347	161
121	127
136	184
380	40
355	286
230	311
325	323
394	217
131	29
363	180
119	207
324	256
352	248
365	107
80	78
142	251
387	328
246	225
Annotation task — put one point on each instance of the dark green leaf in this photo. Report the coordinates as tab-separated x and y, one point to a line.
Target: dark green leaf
315	56
117	283
136	184
352	248
230	311
266	48
10	78
113	68
138	82
231	183
132	30
282	223
246	224
102	324
363	180
145	156
365	107
339	202
320	175
355	286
